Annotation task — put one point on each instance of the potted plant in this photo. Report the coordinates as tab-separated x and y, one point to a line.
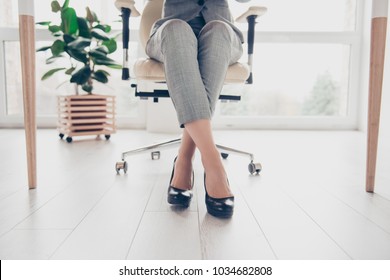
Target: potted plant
87	44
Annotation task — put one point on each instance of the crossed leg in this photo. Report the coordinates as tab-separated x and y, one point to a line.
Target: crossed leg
195	71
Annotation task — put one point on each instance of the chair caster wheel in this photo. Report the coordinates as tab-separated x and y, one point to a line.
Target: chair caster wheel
254	168
121	165
69	139
61	135
107	136
155	155
224	155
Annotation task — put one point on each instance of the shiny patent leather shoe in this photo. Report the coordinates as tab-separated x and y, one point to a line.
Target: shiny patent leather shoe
219	207
179	197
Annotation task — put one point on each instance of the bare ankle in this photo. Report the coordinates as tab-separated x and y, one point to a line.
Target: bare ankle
212	161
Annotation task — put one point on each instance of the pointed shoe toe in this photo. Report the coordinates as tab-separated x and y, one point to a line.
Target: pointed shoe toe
179	197
219	207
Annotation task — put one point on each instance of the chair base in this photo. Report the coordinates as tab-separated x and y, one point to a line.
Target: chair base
164	93
253	168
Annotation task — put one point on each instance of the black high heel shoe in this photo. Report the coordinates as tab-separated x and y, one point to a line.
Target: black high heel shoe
177	196
219	207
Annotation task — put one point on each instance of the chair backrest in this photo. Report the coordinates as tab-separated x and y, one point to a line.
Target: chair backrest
151	13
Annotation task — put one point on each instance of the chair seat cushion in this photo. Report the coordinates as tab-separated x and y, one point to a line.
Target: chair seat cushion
151	70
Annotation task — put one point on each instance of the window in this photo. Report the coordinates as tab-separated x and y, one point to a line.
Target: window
304	67
304	15
296	79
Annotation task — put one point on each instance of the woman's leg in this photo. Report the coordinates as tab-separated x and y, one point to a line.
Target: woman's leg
216	181
183	166
218	47
176	46
194	95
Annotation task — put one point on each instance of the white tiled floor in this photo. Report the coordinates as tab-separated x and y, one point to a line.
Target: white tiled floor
308	203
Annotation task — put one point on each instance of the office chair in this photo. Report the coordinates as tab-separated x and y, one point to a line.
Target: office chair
150	75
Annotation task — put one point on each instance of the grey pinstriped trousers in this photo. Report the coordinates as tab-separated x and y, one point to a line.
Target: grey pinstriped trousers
196	57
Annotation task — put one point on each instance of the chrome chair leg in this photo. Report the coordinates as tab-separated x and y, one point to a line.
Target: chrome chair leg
254	168
122	165
151	147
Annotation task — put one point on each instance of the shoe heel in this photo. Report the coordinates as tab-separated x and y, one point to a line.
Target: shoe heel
179	197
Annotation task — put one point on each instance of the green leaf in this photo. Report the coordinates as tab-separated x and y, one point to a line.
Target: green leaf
43	49
44	23
83	28
104	61
69	21
81	76
68	38
97	54
111	45
79	56
91	16
100	76
107	62
105	72
50	73
87	87
99	34
57	47
69	71
54	28
79	44
55	6
105	27
51	59
66	4
115	66
102	49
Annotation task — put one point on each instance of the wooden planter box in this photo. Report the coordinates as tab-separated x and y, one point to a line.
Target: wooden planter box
80	115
